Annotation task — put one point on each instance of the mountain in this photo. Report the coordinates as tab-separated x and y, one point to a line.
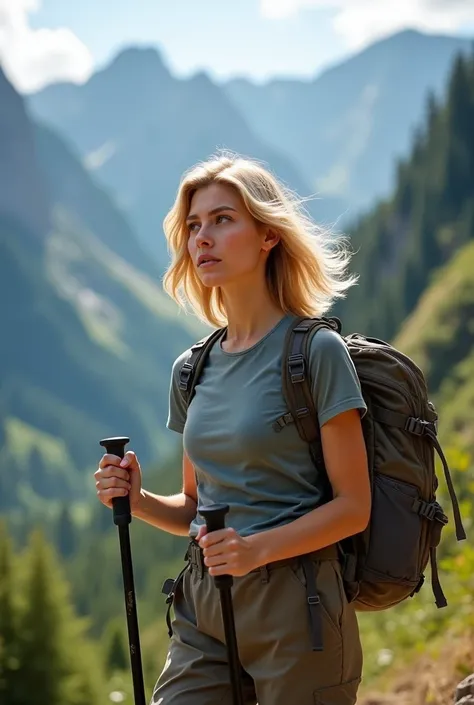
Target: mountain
345	129
88	336
137	129
402	242
22	193
415	258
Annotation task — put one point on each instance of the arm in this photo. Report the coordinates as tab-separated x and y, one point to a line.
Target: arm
349	510
172	514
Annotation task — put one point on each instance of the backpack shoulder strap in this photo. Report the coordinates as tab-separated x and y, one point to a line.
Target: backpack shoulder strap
296	382
190	370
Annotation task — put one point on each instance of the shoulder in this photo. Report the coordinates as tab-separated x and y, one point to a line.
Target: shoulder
326	343
180	360
185	356
177	365
334	380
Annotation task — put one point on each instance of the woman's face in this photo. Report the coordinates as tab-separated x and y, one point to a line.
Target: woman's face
225	243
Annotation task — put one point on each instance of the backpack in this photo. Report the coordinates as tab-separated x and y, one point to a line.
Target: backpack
384	564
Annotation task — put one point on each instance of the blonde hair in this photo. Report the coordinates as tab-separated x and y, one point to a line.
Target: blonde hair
306	270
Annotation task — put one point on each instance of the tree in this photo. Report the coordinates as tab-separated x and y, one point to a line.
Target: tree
66	533
39	476
116	646
459	174
9	662
57	660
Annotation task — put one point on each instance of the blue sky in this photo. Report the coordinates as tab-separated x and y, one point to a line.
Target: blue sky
46	40
222	37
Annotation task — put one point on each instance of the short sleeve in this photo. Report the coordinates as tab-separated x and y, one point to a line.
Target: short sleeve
177	411
335	384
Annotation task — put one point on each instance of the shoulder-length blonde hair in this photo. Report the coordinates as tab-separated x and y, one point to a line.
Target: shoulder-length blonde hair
306	270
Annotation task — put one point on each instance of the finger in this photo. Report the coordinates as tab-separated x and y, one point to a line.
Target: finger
201	532
216	560
109	459
108	482
213	537
112	492
224	569
218	549
130	461
112	471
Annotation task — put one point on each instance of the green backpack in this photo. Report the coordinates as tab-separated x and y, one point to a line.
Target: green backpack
384	564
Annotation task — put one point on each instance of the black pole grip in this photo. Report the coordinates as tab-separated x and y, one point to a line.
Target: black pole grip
120	505
214	516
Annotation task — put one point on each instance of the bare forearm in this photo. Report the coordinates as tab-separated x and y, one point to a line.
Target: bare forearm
172	514
321	527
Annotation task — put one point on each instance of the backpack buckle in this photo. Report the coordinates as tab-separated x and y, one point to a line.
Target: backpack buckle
415	426
184	376
296	365
428	510
313	599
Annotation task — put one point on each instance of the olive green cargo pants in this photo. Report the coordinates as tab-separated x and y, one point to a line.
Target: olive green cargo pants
275	638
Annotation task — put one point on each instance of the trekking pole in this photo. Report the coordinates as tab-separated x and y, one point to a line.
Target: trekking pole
214	516
122	518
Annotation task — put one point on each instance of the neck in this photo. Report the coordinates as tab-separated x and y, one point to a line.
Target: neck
251	313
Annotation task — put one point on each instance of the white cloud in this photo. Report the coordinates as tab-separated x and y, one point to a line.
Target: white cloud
362	21
33	58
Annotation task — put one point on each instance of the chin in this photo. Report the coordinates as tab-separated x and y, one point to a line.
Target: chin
211	279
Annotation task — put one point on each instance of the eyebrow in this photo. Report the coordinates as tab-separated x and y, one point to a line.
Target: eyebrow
213	212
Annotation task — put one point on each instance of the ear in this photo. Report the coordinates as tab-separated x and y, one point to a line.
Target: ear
270	239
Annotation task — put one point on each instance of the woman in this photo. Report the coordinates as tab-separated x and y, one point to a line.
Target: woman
247	258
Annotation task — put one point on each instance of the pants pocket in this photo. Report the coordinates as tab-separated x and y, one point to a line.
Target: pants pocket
329	591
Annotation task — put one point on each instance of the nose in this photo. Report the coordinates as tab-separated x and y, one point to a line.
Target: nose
203	237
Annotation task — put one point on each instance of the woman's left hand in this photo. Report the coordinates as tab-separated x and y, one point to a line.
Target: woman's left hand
227	553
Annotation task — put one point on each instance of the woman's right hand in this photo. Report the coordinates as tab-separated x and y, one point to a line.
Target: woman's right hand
116	477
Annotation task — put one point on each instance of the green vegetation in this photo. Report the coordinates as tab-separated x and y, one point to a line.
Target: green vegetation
43	644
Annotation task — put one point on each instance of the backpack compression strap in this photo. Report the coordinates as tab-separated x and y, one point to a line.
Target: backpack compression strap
295	380
295	377
191	369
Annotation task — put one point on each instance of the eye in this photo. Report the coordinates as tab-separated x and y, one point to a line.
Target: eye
191	227
223	216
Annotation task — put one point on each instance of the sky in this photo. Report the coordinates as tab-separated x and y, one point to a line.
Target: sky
43	41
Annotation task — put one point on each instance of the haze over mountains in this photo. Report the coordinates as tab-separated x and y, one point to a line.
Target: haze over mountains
137	127
87	174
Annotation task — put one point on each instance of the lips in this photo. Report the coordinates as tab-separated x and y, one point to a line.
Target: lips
203	259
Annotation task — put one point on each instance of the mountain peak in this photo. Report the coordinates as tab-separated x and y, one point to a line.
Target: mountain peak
143	60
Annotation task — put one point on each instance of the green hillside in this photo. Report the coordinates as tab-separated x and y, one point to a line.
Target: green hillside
89	337
439	335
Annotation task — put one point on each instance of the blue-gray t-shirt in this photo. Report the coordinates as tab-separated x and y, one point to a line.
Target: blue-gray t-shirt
267	478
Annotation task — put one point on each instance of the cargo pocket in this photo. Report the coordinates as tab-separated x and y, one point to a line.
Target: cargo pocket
395	532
